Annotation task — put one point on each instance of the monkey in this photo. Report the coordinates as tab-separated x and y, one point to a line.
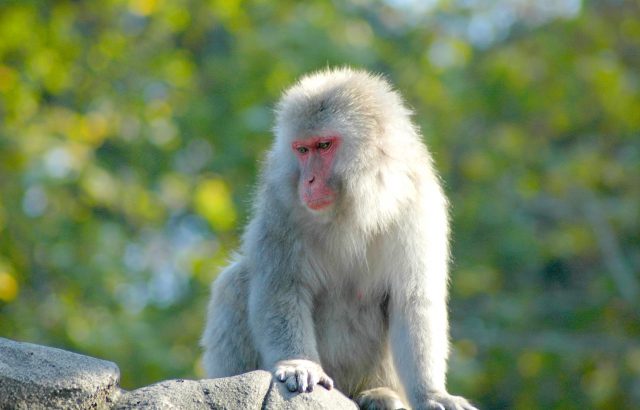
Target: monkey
342	274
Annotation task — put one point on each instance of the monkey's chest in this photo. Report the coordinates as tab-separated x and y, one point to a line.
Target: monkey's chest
351	333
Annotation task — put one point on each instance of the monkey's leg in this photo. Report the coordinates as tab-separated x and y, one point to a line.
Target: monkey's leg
380	398
377	397
228	346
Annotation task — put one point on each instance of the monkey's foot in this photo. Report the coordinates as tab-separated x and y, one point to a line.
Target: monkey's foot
445	401
380	398
301	375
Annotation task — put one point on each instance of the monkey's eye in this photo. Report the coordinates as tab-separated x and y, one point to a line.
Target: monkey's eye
324	145
302	150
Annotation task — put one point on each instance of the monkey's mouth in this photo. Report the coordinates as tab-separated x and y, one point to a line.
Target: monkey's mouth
320	203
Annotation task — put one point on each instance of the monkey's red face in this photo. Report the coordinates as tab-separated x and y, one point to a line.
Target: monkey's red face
315	157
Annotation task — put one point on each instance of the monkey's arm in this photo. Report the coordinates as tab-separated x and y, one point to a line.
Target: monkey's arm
280	317
419	337
419	327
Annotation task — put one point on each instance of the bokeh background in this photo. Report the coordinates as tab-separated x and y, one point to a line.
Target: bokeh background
130	132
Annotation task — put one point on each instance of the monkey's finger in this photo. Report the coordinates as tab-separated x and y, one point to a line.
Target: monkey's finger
303	378
314	379
281	375
326	382
434	405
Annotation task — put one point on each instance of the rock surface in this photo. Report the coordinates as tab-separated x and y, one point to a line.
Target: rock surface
281	398
250	391
246	391
40	377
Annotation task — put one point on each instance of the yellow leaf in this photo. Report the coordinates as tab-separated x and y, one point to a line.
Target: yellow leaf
8	287
477	166
530	364
143	7
213	201
8	78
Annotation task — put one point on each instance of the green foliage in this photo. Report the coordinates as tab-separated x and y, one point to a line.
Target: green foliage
130	133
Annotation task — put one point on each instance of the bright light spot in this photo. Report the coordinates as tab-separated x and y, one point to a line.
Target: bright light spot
58	162
195	156
447	52
133	296
483	22
34	202
481	30
359	34
166	286
100	185
160	262
256	118
174	191
134	258
414	6
163	132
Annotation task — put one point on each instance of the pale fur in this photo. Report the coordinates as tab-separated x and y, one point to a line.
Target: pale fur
359	289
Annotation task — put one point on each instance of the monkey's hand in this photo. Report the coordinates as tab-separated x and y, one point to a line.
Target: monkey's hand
441	400
301	375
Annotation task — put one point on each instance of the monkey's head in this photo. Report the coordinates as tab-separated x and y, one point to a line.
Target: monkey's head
335	132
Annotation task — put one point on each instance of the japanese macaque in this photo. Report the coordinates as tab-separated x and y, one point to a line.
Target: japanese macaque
342	275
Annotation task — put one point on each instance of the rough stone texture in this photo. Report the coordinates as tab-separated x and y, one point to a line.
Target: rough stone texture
246	391
169	394
250	391
39	377
281	398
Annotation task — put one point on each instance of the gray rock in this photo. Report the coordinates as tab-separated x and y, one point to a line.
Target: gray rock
250	391
40	377
246	391
279	397
168	394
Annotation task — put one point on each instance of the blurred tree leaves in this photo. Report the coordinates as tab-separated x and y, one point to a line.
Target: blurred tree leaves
130	133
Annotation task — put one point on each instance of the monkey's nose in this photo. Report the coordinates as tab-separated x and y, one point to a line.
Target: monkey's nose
313	178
